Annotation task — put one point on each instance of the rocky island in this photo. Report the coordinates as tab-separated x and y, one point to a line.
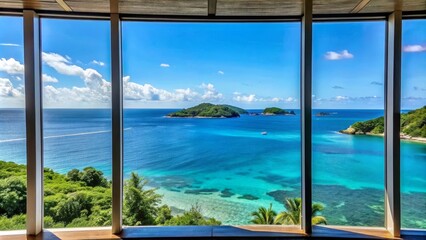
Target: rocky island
413	126
277	111
208	110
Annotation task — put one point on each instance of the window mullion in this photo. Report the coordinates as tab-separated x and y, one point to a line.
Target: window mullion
117	120
392	124
306	116
33	118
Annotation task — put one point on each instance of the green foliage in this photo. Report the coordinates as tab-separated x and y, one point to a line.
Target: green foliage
208	110
74	175
66	198
277	111
413	124
237	109
264	216
90	176
164	214
76	205
83	199
376	125
15	222
140	204
93	177
12	196
193	217
8	169
291	216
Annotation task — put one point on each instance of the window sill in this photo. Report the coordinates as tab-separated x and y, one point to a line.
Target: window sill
250	231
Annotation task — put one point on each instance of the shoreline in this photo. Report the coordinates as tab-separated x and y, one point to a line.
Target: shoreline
401	136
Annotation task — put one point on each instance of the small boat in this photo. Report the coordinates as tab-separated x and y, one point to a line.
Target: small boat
264	133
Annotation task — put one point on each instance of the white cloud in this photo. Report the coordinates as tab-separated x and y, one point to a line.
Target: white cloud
164	65
148	93
290	99
347	99
210	92
246	98
220	72
7	89
92	78
48	78
341	98
276	99
414	48
345	54
96	91
10	44
100	63
249	98
11	66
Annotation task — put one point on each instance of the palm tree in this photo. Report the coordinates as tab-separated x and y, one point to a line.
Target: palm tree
292	216
264	216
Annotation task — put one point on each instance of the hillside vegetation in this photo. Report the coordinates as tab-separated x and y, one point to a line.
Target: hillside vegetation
83	199
413	124
208	110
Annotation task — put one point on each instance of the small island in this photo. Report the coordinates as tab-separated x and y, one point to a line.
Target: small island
277	111
413	126
208	110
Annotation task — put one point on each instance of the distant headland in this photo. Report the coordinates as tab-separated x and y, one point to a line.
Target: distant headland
413	126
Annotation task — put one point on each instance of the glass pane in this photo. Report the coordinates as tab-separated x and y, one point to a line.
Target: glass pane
413	125
348	103
212	164
77	123
13	173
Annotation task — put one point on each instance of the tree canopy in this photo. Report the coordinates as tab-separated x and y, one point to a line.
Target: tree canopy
209	110
413	124
277	111
82	198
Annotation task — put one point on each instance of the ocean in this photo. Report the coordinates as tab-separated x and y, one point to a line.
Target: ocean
227	166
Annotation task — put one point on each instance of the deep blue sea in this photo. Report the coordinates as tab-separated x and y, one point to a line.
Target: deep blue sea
227	166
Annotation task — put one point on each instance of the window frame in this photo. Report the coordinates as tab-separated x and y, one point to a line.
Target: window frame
32	58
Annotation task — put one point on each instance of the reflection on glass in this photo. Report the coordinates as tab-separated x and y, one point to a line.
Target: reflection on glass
13	175
348	145
77	123
413	127
212	127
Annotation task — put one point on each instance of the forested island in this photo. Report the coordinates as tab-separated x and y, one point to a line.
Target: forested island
413	126
208	110
277	111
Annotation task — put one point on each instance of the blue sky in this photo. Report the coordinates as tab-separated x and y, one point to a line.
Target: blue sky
174	65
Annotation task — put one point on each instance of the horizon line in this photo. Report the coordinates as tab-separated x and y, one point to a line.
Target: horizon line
147	108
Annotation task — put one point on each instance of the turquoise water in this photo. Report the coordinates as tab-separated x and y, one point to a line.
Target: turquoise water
227	166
